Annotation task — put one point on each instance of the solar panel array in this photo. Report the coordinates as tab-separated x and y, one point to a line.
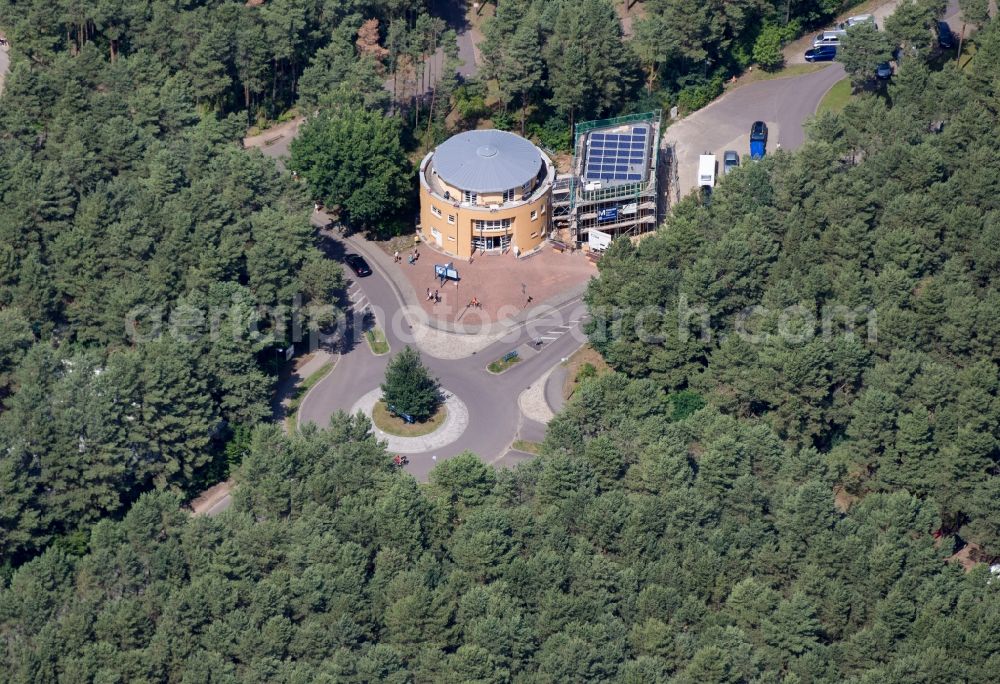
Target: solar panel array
617	157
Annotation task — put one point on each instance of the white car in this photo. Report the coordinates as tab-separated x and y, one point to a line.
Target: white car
859	19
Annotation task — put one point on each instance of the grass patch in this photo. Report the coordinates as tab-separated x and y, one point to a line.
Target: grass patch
578	368
836	98
526	446
376	341
386	422
300	392
499	366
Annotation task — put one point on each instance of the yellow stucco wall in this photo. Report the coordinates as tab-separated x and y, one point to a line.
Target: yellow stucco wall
456	238
531	216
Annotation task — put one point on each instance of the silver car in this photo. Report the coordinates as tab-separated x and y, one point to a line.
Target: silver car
730	160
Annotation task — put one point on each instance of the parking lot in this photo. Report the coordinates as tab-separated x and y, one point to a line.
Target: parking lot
783	103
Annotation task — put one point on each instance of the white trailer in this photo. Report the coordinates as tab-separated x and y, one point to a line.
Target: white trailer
706	170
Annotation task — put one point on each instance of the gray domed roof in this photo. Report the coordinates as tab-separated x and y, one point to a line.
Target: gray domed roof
486	161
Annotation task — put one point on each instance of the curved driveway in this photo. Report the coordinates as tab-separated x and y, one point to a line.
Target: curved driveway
494	415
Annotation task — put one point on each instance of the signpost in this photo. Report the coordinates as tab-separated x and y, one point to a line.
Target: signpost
598	240
446	272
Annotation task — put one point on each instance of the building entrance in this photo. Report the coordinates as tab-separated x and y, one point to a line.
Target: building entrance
490	244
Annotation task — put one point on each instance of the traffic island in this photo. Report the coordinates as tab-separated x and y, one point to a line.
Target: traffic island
377	342
504	363
392	424
454	421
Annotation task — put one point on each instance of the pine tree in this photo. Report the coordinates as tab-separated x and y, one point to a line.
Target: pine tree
409	387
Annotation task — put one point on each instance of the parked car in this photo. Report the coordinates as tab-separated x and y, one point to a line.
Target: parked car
855	20
883	71
946	39
829	37
730	160
758	140
826	53
358	265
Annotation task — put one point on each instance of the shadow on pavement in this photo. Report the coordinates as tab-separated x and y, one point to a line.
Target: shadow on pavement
452	11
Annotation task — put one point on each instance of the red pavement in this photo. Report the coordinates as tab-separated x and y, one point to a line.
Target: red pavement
501	283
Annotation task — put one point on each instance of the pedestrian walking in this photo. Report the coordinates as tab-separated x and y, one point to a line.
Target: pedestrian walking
429	294
437	297
395	257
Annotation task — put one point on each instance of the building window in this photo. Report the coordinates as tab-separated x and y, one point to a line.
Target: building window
543	208
534	216
535	234
470	197
496	224
508	195
451	219
451	239
436	233
435	211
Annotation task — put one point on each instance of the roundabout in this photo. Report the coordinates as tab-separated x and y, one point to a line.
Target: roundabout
455	422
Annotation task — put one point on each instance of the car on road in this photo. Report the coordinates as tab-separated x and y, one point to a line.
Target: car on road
730	160
758	140
883	71
824	53
946	38
358	265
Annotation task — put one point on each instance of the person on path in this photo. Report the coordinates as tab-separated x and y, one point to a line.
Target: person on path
395	257
437	297
429	296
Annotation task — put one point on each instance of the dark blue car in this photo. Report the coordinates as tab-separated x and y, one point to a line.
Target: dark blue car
823	53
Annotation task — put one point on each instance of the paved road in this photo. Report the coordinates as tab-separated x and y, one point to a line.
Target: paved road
795	52
494	416
4	65
454	14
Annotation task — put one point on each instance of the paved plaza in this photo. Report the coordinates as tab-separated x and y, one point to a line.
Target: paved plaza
501	283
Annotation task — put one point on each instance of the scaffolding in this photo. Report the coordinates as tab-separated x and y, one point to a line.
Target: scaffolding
616	208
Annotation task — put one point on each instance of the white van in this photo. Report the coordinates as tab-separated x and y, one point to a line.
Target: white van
706	170
829	38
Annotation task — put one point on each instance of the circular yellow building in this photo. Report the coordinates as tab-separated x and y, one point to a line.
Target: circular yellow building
485	191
